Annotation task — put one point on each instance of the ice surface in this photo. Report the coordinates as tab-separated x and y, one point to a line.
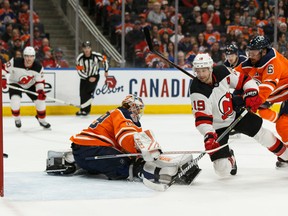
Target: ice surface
257	189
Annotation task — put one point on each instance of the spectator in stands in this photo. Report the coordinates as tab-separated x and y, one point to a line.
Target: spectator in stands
152	60
37	40
155	32
170	51
128	26
210	17
132	38
203	45
24	15
181	60
144	23
140	50
3	52
261	20
252	8
185	44
226	18
211	35
282	43
191	18
45	43
245	19
165	27
223	42
216	54
180	35
25	32
61	62
191	55
165	40
18	54
198	27
48	61
17	45
283	29
185	27
7	15
156	15
8	32
269	28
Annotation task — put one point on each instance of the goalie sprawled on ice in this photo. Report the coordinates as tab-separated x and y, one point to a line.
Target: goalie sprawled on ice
117	132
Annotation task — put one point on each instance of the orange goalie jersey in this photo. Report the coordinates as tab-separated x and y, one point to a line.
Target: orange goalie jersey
272	73
113	129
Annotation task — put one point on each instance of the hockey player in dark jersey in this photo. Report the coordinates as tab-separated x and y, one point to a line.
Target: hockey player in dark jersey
233	57
26	73
214	112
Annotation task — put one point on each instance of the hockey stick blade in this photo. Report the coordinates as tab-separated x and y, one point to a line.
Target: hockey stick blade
151	48
155	186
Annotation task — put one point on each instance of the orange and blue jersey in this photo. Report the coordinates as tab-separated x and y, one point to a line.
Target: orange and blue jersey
113	129
272	74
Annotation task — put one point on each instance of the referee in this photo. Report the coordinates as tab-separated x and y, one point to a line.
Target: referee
88	68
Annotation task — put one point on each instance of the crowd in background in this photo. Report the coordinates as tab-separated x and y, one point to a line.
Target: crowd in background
203	26
15	35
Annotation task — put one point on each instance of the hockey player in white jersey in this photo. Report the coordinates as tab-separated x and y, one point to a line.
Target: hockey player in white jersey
26	73
214	111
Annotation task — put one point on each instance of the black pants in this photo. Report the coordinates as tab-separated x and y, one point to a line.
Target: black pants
249	125
87	89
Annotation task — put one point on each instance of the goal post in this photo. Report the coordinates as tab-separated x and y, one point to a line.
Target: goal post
1	140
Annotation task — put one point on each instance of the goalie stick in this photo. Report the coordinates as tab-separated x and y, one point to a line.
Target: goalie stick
151	48
50	98
163	187
163	153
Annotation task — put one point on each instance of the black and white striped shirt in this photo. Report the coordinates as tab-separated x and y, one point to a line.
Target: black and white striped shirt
90	66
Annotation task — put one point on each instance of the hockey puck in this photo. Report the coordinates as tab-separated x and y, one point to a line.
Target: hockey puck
5	155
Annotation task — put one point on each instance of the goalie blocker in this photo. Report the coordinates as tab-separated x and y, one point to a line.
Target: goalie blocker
155	170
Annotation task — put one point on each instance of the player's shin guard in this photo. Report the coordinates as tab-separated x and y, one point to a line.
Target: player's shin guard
15	109
41	113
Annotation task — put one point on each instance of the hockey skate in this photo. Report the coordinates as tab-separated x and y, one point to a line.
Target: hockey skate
281	163
233	162
18	123
43	123
81	113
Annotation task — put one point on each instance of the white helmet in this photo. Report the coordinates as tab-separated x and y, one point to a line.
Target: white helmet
30	51
135	105
203	60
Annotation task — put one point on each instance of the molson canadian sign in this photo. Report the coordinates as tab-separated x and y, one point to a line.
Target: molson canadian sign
156	87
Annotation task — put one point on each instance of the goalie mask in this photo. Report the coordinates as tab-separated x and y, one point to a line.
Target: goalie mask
135	105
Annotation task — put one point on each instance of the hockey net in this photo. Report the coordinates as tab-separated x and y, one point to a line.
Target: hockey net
1	140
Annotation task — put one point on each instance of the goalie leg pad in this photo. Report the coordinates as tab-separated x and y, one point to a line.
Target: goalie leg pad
165	170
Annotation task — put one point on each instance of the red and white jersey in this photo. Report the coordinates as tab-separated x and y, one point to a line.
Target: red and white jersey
212	104
24	76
